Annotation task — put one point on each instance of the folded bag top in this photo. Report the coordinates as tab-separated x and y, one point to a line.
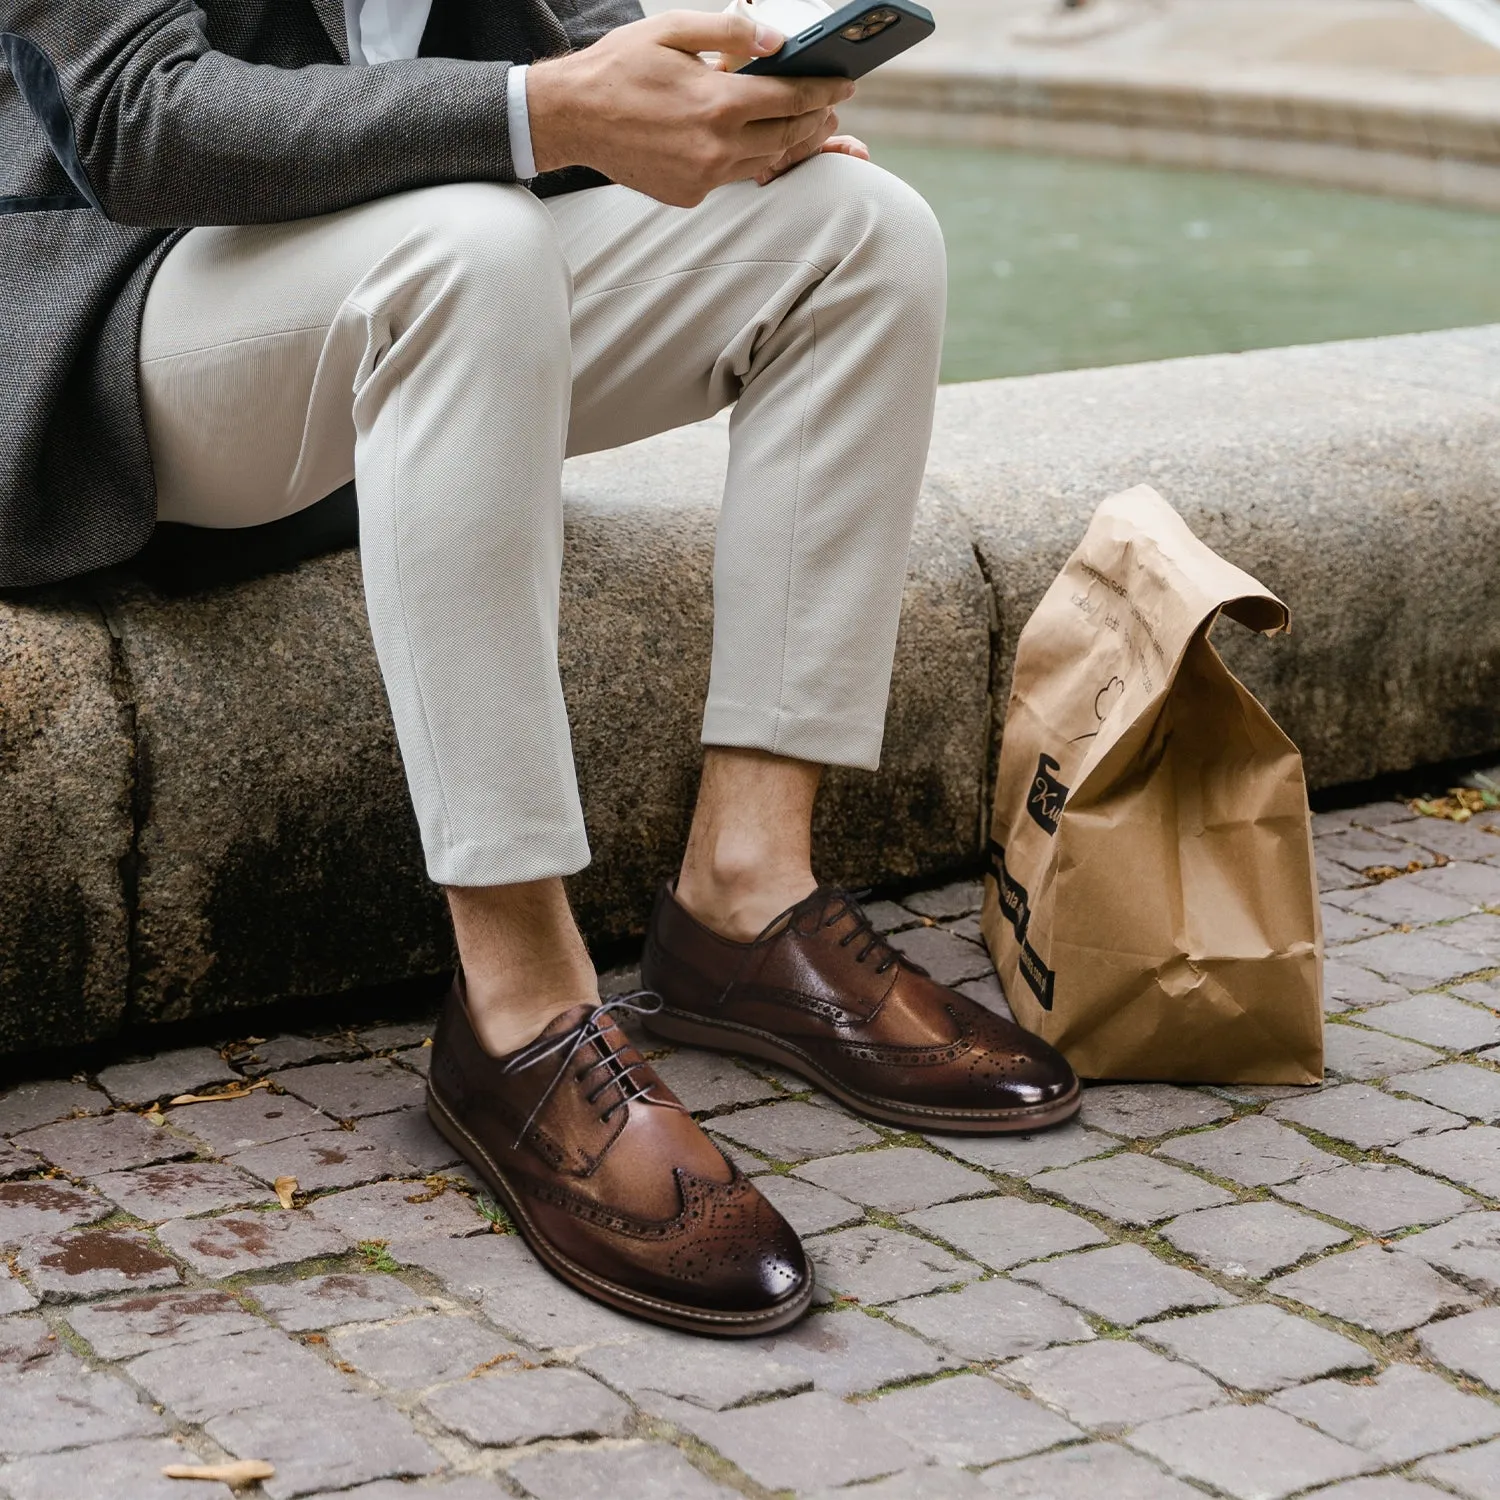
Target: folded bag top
1151	902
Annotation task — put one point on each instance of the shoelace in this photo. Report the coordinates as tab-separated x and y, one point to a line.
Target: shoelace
849	906
590	1029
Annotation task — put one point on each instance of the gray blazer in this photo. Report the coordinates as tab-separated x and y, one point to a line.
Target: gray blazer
125	122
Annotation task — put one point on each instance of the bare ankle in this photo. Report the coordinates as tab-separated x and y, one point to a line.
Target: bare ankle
505	1021
739	898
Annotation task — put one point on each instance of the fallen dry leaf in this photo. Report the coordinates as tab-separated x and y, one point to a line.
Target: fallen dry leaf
286	1190
240	1471
237	1092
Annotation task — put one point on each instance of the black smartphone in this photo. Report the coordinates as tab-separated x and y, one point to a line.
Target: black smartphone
851	42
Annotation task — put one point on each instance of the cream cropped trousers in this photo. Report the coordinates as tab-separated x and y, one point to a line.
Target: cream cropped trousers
446	348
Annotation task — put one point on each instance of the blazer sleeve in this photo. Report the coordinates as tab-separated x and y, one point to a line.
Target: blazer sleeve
586	21
154	127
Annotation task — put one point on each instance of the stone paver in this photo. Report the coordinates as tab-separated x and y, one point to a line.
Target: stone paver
648	1472
399	1213
1357	1053
1381	1487
421	1352
1257	1348
1132	1189
1469	1344
339	1442
1124	1284
708	1080
13	1296
1140	1111
1467	1249
250	1242
320	1160
1473	1473
104	1143
1438	1021
874	1265
1005	1232
808	1209
14	1162
949	958
501	1409
1406	902
414	1146
971	1420
798	1443
1377	1197
1253	1152
848	1352
1026	1155
1111	1384
64	1267
1350	984
1417	959
349	1090
279	1052
956	900
1092	1471
1251	1239
336	1298
1460	1087
690	1369
997	1319
232	1125
1470	1157
130	1467
181	1190
1364	1116
44	1207
1250	1452
896	1180
24	1106
60	1407
793	1131
1375	1288
1404	1414
185	1071
135	1324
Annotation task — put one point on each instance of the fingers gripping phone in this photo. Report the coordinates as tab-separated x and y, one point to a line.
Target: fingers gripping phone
852	41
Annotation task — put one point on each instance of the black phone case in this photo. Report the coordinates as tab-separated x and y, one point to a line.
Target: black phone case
820	52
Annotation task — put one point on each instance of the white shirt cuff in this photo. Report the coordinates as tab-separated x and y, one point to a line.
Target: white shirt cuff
520	124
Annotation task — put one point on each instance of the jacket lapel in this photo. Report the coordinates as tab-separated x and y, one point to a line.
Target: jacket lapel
331	14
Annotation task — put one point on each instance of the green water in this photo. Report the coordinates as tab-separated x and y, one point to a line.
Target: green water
1057	263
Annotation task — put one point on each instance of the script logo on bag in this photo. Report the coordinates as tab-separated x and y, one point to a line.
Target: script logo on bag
1047	796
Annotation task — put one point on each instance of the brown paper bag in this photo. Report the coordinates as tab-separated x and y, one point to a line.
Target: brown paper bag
1151	903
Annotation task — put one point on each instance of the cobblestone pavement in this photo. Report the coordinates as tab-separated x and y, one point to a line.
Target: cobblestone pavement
1253	1292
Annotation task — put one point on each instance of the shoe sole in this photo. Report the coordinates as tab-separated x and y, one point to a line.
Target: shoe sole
729	1036
622	1298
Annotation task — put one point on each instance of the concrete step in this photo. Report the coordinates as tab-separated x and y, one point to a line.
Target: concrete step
203	805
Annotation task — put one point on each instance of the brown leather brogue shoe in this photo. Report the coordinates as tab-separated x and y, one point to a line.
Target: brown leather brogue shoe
822	993
610	1180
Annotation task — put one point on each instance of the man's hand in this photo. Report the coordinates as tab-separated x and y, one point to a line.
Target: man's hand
642	107
839	145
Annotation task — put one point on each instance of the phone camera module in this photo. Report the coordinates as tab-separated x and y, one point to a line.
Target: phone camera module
872	23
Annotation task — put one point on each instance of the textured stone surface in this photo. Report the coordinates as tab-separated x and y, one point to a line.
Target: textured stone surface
1110	1385
872	1264
1469	1344
398	1212
1257	1348
1357	1053
1252	1152
132	1325
1467	1249
896	1180
1251	1452
414	1146
56	1408
848	1352
808	1209
993	1320
1124	1284
949	958
67	768
14	1162
104	1143
970	1420
1132	1189
1142	1110
319	1160
181	1189
1474	1473
149	1079
1090	1471
801	1442
1405	1413
1437	1020
1377	1197
345	1091
1026	1155
497	1410
250	1242
339	1297
339	1442
1470	1157
1364	1116
1416	959
235	1125
89	1264
1375	1288
1005	1232
1251	1239
13	1296
793	1131
648	1472
1460	1087
709	1080
45	1207
421	1352
128	1467
690	1369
